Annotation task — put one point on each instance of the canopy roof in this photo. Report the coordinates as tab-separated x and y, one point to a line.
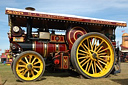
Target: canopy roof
65	18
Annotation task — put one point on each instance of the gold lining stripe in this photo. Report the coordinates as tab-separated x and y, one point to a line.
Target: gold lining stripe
33	46
57	47
45	49
76	32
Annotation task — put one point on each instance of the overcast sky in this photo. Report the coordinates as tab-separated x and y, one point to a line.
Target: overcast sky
103	9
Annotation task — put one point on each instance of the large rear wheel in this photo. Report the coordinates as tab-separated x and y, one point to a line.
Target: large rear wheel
29	66
93	55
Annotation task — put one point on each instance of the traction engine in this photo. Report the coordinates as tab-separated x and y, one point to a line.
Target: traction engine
85	45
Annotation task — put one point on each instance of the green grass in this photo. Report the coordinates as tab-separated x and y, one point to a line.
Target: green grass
6	73
65	78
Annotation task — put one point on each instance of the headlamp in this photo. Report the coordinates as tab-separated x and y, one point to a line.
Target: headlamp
16	29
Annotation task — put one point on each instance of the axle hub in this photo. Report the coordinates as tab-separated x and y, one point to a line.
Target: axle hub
29	66
94	55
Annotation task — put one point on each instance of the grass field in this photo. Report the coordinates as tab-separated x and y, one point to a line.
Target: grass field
65	78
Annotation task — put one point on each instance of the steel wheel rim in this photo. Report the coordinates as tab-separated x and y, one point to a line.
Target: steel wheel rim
29	66
96	57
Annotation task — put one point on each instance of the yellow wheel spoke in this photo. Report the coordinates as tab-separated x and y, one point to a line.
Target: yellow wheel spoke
93	69
102	59
26	59
99	45
102	62
83	57
95	45
25	72
82	61
28	74
103	50
81	54
98	67
32	72
36	63
20	70
85	62
102	54
88	43
30	58
36	66
91	45
83	51
99	49
21	65
35	70
85	46
89	65
23	62
33	60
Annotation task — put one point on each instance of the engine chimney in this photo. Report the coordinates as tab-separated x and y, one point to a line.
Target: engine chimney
30	8
29	24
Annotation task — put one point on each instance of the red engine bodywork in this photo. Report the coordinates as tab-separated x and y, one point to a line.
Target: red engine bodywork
46	48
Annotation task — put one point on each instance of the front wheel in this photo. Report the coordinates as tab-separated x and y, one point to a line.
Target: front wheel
29	66
93	55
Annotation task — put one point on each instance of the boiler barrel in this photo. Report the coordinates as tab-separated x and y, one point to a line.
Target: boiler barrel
46	48
43	48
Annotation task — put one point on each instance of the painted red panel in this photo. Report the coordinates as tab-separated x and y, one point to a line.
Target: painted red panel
73	34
